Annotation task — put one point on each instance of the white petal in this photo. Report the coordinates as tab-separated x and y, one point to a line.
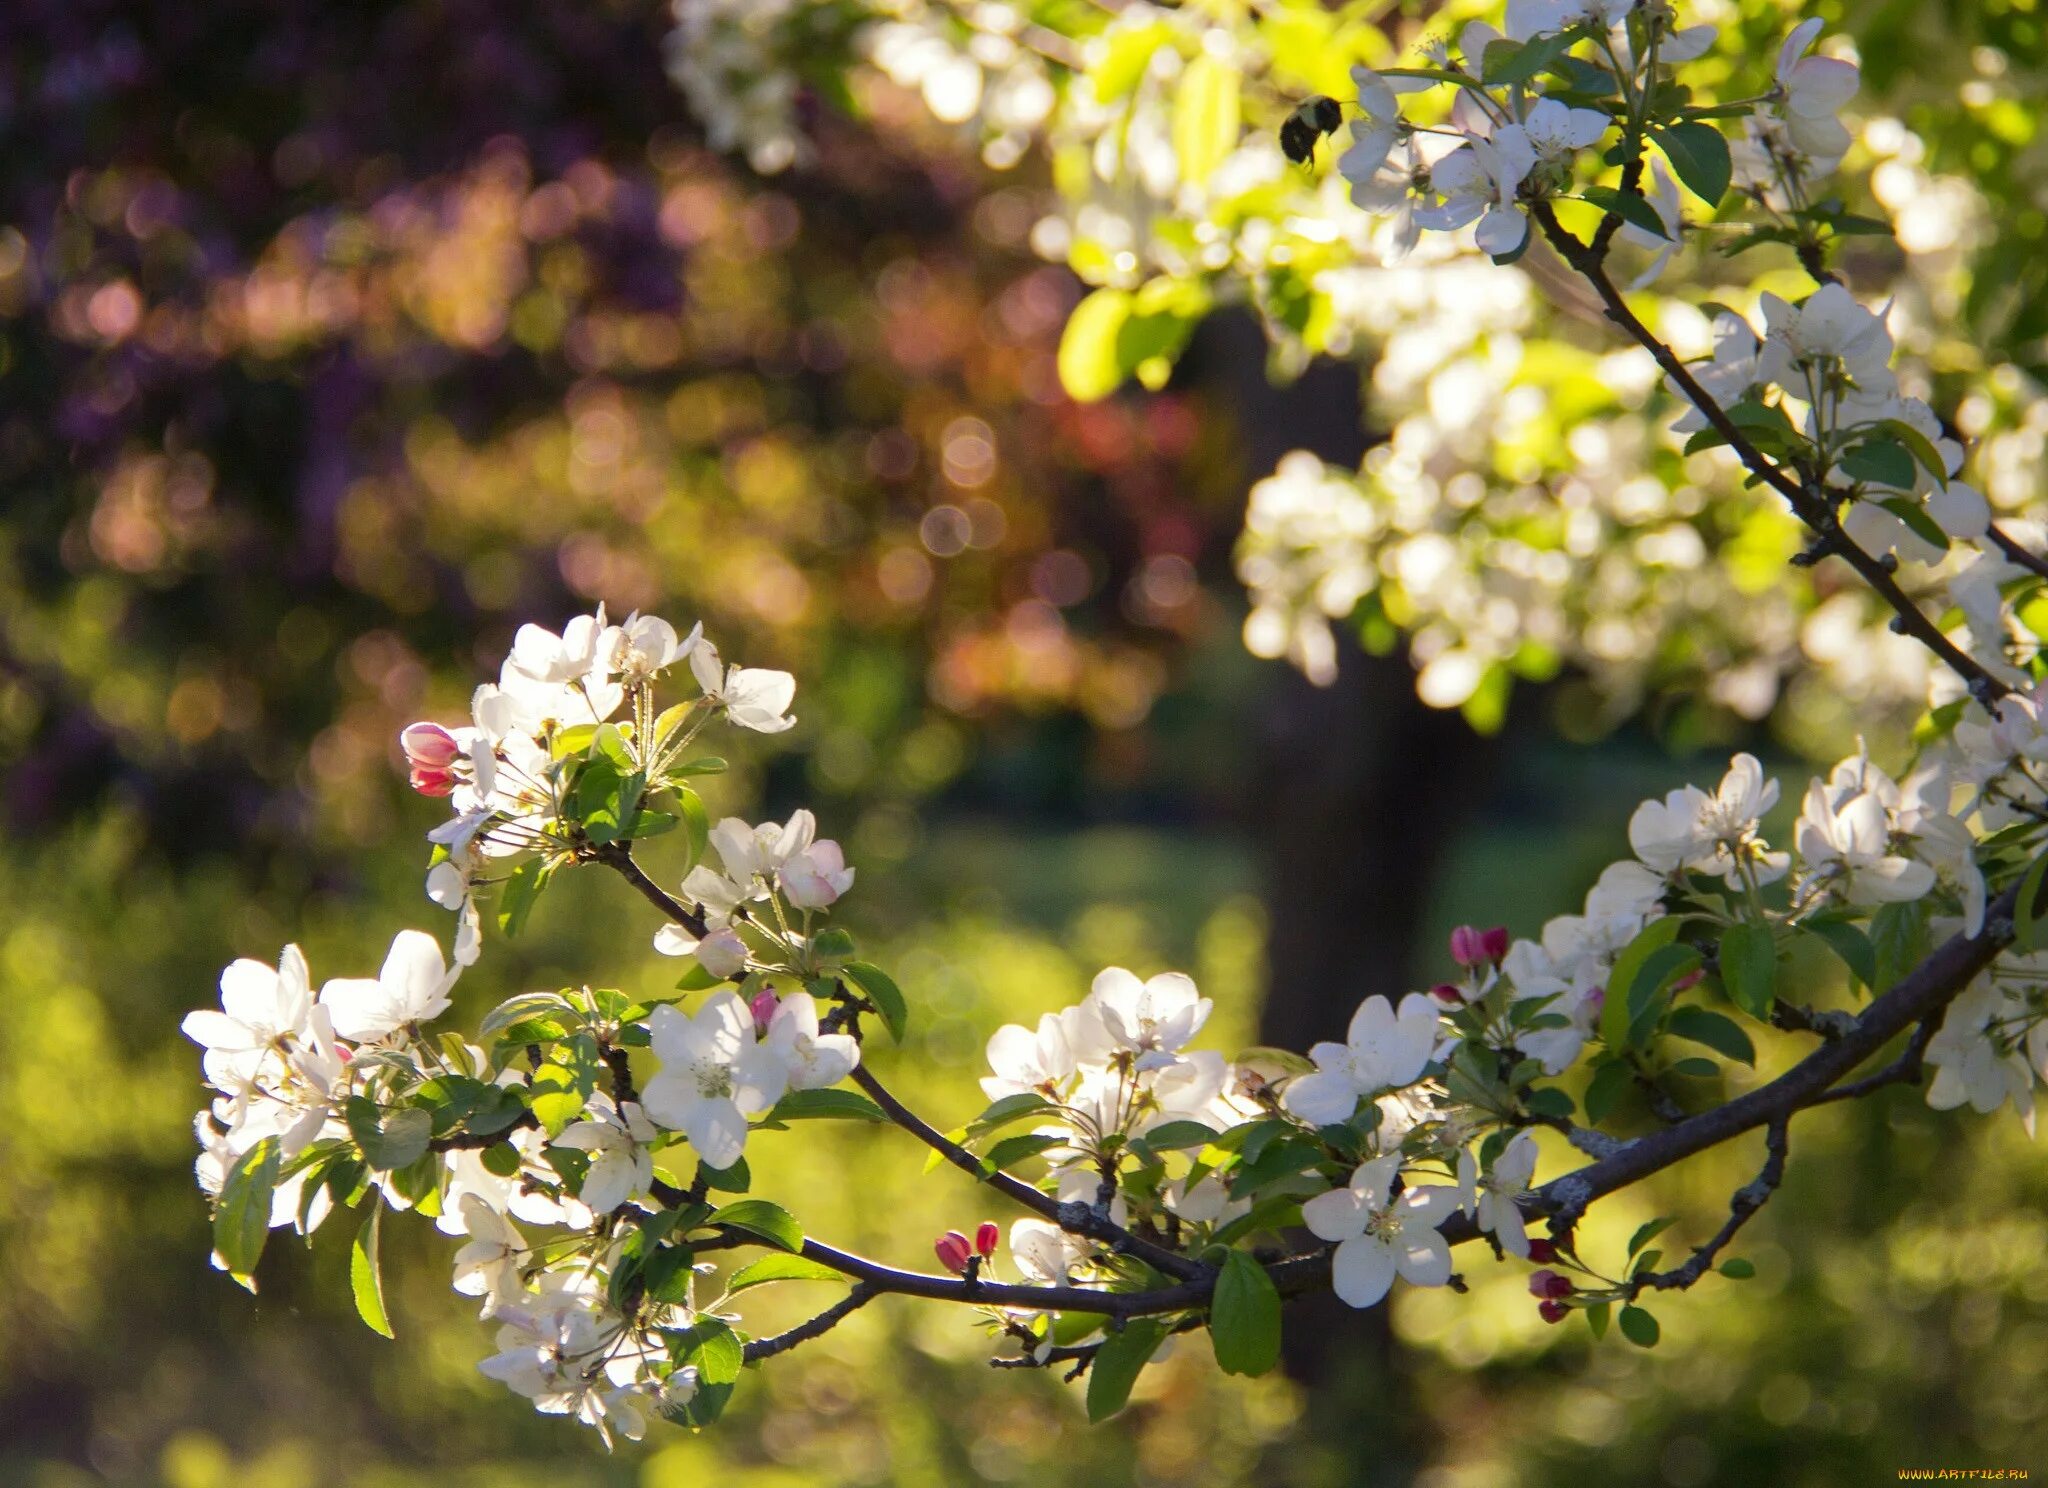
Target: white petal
1361	1271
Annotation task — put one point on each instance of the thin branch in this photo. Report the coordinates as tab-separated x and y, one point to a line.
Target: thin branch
2017	552
1747	1200
1811	508
1904	1070
766	1348
617	855
1827	1023
1075	1218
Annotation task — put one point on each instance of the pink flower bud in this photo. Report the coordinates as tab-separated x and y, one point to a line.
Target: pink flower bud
1541	1251
763	1008
1689	980
1553	1312
986	1238
1472	947
952	1250
432	782
1445	992
428	746
1550	1284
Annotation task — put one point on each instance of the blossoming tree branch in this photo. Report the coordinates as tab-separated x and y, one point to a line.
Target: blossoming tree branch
585	1152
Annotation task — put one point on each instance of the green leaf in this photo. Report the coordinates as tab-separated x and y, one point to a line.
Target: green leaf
242	1222
1849	943
1172	1134
1244	1318
882	991
1638	1327
1205	117
826	1105
1020	1148
1630	208
1921	447
1914	515
736	1179
562	1087
1609	1083
1738	1269
1721	1034
1122	1357
770	1221
1614	1015
501	1158
527	1007
1749	968
1646	1233
1898	933
1506	64
781	1268
696	822
1699	157
2027	906
1022	1106
833	944
1646	1001
366	1273
715	1352
389	1140
518	894
1596	1319
1089	367
1883	462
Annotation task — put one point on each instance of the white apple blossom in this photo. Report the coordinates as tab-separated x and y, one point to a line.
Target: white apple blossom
488	1266
815	876
1152	1020
1978	1057
1381	1235
814	1060
714	1075
1027	1062
619	1140
1384	1050
412	988
1715	835
752	697
1499	1209
720	952
1845	837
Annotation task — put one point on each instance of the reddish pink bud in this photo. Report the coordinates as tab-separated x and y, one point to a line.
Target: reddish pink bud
1596	1000
986	1238
1690	979
432	782
1541	1251
1553	1312
1472	947
763	1008
428	746
952	1250
1445	992
1548	1283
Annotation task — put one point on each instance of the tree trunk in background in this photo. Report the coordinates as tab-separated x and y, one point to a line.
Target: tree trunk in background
1359	790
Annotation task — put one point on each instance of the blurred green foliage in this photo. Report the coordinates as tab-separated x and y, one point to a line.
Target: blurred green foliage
334	345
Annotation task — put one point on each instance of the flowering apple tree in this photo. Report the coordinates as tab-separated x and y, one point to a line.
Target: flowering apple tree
587	1151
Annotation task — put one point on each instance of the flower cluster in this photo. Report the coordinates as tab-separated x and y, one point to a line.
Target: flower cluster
1165	1184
